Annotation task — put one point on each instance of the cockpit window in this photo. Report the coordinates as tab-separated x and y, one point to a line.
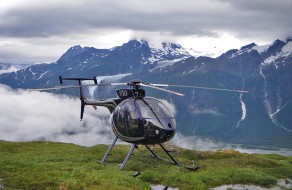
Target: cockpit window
133	116
132	110
151	108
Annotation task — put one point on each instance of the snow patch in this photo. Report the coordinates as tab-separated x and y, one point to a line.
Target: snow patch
271	59
155	45
285	52
165	49
240	52
243	108
261	49
42	75
164	64
32	72
189	72
196	53
287	48
274	119
266	102
268	105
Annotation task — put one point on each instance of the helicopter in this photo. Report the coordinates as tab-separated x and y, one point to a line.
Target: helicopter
135	118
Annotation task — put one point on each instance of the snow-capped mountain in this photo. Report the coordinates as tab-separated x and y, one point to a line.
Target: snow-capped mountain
260	117
131	57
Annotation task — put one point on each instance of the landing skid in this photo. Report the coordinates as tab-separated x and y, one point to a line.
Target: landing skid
152	152
193	168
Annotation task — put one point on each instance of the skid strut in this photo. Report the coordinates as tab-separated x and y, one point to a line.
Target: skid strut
128	156
109	150
167	152
151	151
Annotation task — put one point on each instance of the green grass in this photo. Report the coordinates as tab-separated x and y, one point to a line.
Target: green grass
49	165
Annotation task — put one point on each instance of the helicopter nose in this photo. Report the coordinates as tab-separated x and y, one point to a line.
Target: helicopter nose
168	134
168	130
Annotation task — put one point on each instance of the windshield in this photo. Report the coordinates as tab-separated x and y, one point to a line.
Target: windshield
152	108
134	114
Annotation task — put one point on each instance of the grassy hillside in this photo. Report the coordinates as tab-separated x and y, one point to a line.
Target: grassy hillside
49	165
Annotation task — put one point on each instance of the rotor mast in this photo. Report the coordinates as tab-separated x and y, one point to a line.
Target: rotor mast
137	89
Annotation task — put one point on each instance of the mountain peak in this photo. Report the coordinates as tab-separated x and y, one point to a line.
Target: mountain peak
277	42
168	51
136	43
249	46
154	52
73	51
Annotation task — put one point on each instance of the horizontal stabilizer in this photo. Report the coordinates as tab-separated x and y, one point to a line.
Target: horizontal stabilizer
77	79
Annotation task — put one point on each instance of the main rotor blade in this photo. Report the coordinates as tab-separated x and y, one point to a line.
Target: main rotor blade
162	89
75	86
200	87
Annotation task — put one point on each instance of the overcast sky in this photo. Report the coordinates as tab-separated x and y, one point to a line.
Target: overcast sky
37	31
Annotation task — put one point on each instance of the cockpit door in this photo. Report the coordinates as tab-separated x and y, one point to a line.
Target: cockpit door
132	121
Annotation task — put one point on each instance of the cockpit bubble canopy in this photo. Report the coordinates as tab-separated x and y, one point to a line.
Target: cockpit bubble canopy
134	116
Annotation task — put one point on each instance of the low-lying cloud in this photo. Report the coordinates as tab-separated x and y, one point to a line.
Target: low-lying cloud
28	116
199	143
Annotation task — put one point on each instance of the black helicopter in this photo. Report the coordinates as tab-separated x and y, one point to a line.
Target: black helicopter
135	118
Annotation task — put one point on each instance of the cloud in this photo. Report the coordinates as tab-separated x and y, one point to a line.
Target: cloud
197	143
202	18
8	68
31	50
27	116
207	144
54	26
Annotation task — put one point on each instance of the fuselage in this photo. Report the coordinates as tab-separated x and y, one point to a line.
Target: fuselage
143	121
